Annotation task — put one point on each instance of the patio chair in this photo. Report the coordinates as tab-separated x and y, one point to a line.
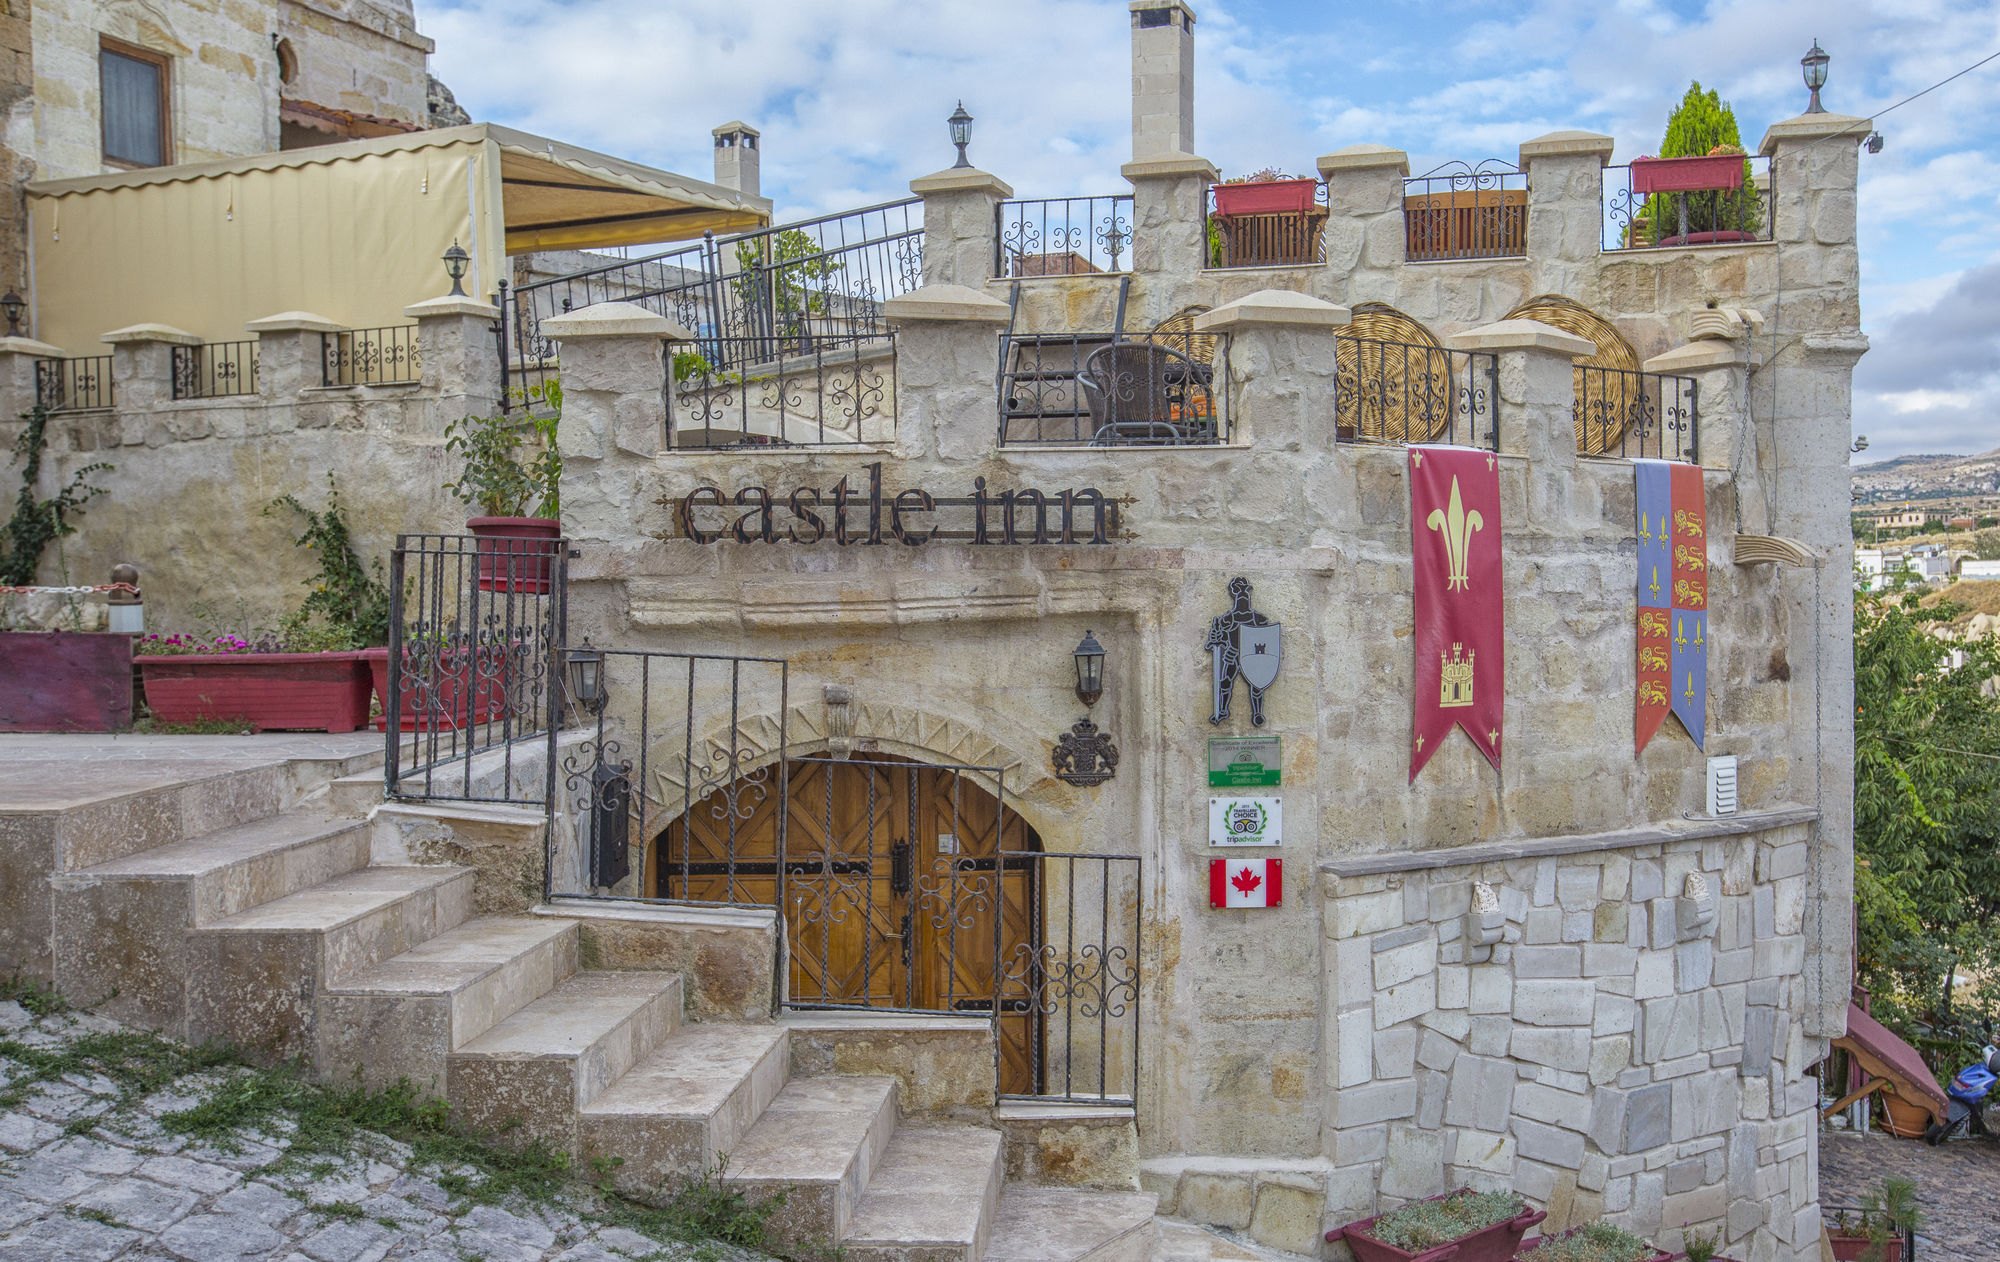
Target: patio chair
1139	393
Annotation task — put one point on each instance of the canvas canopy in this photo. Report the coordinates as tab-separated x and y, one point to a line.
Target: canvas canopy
353	232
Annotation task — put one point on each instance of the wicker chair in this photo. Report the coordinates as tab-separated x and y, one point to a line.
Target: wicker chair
1142	394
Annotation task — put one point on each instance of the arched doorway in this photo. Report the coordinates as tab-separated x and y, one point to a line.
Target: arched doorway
905	886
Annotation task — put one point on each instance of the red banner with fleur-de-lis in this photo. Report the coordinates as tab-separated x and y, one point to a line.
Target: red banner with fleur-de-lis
1460	634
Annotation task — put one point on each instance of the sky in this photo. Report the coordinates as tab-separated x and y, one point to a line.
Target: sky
851	97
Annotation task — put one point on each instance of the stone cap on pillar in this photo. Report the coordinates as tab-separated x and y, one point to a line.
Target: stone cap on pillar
946	302
1170	166
1140	6
452	305
1363	158
613	319
295	322
151	333
1567	143
29	346
961	180
1521	335
1814	127
1695	356
1273	307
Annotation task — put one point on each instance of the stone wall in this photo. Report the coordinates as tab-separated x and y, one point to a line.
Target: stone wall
17	77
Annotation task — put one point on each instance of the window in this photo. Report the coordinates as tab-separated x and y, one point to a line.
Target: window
134	92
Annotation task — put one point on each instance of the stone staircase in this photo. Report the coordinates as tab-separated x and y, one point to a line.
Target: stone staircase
264	923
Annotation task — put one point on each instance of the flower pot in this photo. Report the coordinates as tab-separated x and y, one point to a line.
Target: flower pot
1687	175
1527	1254
437	695
1495	1243
307	692
516	554
65	681
1265	197
1906	1119
1855	1249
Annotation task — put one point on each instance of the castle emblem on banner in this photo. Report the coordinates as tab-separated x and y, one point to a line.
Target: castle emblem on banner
1455	683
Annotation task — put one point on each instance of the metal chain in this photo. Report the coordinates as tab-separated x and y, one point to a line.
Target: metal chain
68	591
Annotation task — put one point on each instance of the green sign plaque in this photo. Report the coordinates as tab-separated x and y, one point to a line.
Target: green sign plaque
1243	762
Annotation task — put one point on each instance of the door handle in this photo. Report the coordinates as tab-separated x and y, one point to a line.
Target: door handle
900	857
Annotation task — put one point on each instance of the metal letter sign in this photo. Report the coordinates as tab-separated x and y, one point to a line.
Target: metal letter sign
1246	821
1242	642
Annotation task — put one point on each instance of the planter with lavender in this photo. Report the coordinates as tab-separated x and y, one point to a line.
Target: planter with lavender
1462	1226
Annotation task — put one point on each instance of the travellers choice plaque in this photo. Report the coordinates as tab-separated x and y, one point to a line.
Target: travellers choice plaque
1246	821
1243	762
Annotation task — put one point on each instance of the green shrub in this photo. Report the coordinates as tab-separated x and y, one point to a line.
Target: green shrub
1421	1224
1598	1242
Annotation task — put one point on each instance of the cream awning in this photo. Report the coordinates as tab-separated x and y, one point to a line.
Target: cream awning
559	197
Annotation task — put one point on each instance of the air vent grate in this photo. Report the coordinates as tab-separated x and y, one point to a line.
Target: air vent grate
1722	785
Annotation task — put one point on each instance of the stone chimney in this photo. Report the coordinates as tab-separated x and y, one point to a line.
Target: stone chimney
736	157
1162	78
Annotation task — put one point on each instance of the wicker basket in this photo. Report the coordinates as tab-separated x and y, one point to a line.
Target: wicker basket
1392	394
1611	396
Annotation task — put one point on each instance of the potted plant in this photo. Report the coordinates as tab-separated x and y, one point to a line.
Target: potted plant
511	464
1876	1234
1592	1242
302	676
1462	1225
1266	192
1700	1248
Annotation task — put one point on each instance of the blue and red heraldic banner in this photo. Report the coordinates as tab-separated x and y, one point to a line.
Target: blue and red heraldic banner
1461	634
1673	599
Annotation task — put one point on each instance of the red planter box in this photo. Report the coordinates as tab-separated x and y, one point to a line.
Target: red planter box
1687	175
1528	1254
65	681
307	692
1496	1243
1266	197
516	553
450	709
1853	1248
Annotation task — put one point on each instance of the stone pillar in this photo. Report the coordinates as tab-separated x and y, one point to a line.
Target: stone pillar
960	224
18	356
1169	212
946	360
1536	407
1162	78
1364	198
460	352
1281	365
290	353
1565	204
142	364
1724	436
612	372
737	157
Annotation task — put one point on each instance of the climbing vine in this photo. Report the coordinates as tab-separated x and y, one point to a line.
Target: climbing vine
37	522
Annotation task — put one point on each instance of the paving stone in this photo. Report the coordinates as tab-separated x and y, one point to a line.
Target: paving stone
21	1133
61	1238
197	1175
221	1238
139	1205
349	1241
262	1202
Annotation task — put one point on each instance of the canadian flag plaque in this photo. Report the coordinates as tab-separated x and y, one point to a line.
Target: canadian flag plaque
1246	882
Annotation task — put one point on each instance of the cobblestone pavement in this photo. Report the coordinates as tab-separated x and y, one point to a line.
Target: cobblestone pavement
127	1189
1958	1186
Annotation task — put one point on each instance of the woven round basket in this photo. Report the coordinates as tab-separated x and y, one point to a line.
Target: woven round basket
1395	382
1176	332
1612	401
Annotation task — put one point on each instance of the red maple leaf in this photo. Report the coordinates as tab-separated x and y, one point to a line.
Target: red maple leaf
1245	882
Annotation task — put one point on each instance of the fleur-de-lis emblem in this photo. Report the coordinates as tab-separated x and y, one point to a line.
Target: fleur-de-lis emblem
1457	526
1645	530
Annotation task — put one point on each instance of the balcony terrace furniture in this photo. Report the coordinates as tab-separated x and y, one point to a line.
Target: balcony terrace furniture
1141	394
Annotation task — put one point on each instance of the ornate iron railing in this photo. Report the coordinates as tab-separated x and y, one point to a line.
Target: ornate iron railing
815	284
1073	979
1062	236
371	357
1406	392
1689	201
215	369
1466	211
1293	236
472	664
74	385
830	389
1637	415
1113	389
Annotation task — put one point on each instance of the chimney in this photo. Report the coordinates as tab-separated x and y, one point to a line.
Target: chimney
736	157
1162	78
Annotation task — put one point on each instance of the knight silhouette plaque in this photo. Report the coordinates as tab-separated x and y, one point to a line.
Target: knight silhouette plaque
1242	643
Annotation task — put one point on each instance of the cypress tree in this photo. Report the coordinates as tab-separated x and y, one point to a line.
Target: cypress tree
1701	123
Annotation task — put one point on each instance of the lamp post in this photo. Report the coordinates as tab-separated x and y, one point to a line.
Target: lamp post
12	304
455	260
585	668
960	123
1814	63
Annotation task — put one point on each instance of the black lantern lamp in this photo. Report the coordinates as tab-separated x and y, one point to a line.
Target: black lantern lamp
1089	670
961	134
1815	70
1084	755
455	260
586	678
1874	142
13	306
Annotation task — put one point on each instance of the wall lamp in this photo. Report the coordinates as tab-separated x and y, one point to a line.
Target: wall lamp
1085	756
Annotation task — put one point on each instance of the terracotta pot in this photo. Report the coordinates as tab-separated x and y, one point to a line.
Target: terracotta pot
1496	1243
456	702
1906	1120
1687	175
305	692
65	681
1855	1248
1266	197
516	554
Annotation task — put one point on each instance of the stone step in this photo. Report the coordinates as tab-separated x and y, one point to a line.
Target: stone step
530	1074
819	1143
932	1198
679	1112
255	978
124	923
1042	1224
402	1017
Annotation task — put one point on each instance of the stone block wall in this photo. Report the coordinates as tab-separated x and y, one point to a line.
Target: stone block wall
1618	1034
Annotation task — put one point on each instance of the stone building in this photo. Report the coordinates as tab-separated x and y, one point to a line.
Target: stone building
848	570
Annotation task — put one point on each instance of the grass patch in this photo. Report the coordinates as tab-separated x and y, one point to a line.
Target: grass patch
95	1215
39	998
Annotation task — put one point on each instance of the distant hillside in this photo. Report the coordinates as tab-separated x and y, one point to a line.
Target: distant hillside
1927	478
